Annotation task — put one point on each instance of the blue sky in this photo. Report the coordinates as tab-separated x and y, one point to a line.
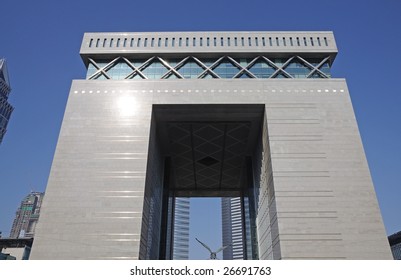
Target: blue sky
41	42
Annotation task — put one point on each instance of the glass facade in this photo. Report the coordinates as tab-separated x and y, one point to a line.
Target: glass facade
232	227
396	250
260	67
5	108
181	228
395	244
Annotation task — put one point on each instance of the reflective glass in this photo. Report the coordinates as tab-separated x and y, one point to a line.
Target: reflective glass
245	76
280	76
262	69
155	70
316	75
172	62
209	76
100	77
190	70
226	69
279	61
325	68
136	77
208	62
244	61
119	70
137	62
172	76
91	70
297	69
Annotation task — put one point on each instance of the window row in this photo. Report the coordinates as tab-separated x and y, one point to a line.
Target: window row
240	41
196	68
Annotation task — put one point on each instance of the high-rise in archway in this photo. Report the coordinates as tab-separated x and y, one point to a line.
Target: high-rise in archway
254	115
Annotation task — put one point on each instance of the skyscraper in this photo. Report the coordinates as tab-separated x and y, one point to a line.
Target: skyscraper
181	229
27	216
232	228
5	108
254	115
395	244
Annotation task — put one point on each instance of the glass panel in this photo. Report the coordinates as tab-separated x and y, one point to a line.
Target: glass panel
91	70
226	69
297	69
244	61
314	61
208	62
172	61
190	70
100	77
262	69
209	76
281	76
245	76
136	77
325	68
119	70
279	61
172	76
137	62
155	70
316	75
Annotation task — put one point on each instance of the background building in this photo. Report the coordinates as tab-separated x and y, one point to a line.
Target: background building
232	228
210	114
395	244
181	229
5	108
27	216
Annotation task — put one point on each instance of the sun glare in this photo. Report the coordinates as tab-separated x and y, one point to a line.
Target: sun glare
127	106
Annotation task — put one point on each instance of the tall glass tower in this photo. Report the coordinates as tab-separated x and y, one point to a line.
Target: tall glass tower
5	108
232	228
181	229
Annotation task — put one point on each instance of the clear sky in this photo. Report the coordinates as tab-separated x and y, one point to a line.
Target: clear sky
41	42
